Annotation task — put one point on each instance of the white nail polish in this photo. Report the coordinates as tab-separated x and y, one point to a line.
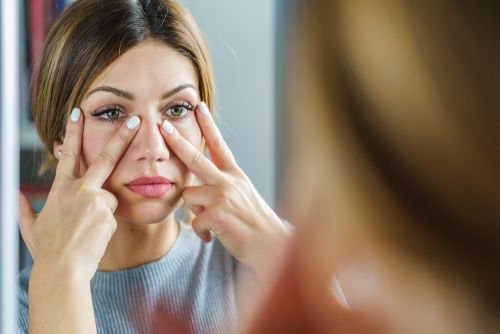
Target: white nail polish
58	154
354	285
204	109
75	115
133	122
167	127
338	292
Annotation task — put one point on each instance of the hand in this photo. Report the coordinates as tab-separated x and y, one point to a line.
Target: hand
227	203
72	231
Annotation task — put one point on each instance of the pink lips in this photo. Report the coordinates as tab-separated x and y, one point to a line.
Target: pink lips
150	186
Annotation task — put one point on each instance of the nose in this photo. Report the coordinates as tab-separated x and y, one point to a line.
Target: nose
148	144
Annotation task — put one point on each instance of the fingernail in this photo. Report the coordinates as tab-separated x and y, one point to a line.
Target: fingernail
133	122
354	285
338	292
58	156
75	115
204	109
167	127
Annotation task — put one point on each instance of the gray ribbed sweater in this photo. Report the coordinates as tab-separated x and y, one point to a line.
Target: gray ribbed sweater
191	289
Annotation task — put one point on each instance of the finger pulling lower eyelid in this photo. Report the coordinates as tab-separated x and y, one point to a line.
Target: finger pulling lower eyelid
133	122
204	109
75	114
167	127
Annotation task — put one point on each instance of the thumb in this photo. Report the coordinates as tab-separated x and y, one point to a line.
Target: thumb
27	216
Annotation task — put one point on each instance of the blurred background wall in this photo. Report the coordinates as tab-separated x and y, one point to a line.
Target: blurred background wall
241	38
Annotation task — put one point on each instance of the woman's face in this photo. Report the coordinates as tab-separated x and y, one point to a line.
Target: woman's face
154	82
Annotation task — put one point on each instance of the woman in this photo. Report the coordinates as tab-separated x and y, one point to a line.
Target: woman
395	140
123	101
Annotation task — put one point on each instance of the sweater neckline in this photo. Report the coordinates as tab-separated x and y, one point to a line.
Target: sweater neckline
167	265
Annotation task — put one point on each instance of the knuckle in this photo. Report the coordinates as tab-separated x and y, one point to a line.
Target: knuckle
239	173
123	134
95	204
198	159
112	202
222	199
227	190
91	200
242	187
220	144
187	194
60	180
103	217
68	152
201	222
196	222
106	225
106	158
72	132
110	222
109	201
113	226
178	141
216	216
82	193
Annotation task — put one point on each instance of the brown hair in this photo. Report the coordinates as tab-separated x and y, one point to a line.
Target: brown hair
409	114
89	35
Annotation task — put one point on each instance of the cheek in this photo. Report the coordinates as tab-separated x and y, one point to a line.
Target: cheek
94	141
190	131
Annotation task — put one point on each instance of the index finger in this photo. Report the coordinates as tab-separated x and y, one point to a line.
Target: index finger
69	161
195	161
106	161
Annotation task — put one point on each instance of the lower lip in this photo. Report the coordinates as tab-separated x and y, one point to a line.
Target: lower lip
151	190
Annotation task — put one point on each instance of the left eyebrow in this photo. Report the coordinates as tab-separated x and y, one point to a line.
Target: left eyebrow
130	96
113	90
178	89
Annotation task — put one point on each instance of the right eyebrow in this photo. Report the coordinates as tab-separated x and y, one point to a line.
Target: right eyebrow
113	90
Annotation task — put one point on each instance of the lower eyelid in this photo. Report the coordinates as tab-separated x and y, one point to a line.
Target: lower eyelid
110	121
189	112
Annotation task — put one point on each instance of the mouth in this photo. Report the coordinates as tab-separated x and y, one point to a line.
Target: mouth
150	186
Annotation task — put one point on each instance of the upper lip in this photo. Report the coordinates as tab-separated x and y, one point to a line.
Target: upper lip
149	180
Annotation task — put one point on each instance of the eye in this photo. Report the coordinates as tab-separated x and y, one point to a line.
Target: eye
109	114
180	110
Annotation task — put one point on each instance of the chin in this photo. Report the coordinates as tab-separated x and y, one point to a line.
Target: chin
145	211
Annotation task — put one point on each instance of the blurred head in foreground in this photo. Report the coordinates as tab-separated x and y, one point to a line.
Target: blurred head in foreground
395	170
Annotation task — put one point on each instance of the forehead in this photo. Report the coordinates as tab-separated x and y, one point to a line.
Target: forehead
147	68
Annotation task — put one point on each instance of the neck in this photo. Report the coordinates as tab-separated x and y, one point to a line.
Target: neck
133	245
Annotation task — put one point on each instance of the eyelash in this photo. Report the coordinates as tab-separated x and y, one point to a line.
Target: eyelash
182	104
100	113
103	111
